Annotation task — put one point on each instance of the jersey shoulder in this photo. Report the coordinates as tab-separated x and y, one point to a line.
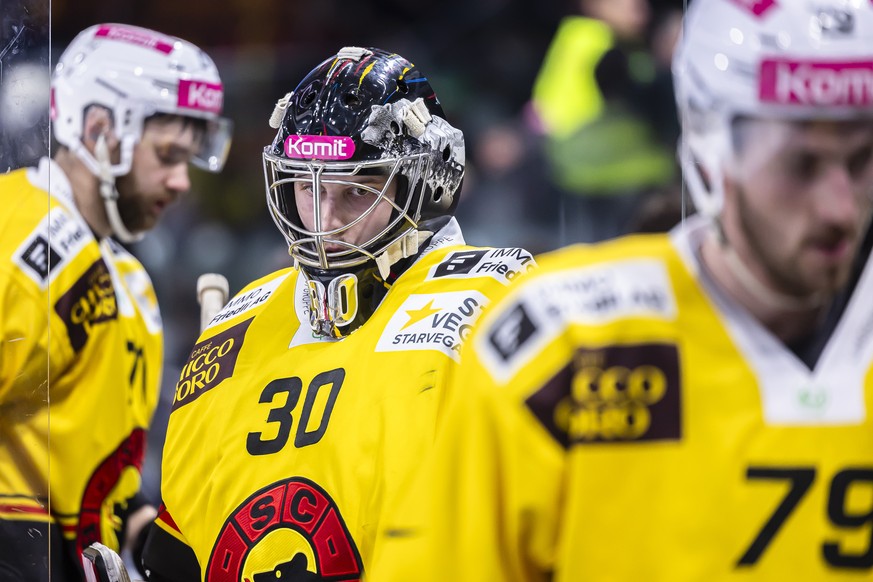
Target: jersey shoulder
434	305
656	246
252	299
40	236
473	267
626	285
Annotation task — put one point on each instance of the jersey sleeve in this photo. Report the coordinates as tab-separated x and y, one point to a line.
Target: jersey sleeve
167	557
484	506
26	343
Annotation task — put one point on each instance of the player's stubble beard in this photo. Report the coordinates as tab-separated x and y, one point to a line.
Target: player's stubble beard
131	206
781	273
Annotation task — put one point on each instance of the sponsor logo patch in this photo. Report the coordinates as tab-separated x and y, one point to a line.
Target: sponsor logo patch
56	239
88	302
289	530
436	321
591	295
211	361
201	96
319	147
504	265
40	257
511	331
822	83
247	301
137	37
613	394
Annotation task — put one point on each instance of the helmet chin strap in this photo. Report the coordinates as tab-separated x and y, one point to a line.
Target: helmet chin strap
332	306
110	194
402	248
768	297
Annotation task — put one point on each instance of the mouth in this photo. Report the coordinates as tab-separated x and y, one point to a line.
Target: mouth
334	248
834	249
160	205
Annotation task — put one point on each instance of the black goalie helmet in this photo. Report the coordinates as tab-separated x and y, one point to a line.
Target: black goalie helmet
362	112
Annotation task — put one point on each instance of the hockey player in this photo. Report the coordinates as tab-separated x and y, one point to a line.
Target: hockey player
692	406
310	398
81	345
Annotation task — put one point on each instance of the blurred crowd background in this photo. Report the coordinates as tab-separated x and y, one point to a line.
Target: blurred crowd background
567	108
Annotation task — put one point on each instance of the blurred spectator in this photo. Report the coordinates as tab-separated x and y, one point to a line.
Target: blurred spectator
602	112
502	202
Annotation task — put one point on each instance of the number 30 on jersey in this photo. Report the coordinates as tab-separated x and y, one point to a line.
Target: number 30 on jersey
309	423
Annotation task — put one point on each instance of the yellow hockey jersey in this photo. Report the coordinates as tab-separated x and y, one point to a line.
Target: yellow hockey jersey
282	449
80	363
616	418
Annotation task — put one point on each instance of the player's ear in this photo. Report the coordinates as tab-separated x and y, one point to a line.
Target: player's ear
98	122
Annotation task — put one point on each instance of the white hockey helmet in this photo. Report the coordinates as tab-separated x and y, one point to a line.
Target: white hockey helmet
135	73
775	59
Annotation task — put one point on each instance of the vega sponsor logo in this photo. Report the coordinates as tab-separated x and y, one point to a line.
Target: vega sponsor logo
819	83
438	321
288	530
211	361
319	147
501	264
133	36
201	95
88	302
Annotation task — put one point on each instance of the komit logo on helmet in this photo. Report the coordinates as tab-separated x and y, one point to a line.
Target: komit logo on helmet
816	83
319	147
134	36
201	95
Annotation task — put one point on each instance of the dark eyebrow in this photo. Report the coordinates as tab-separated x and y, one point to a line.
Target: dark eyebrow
173	150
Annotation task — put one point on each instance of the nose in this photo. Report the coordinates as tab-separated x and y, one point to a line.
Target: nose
330	210
178	180
838	202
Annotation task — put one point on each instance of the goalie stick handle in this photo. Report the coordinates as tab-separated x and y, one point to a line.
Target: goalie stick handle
102	564
212	293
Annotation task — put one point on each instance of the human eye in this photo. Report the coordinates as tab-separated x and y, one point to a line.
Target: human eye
803	166
859	162
304	187
172	154
360	192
